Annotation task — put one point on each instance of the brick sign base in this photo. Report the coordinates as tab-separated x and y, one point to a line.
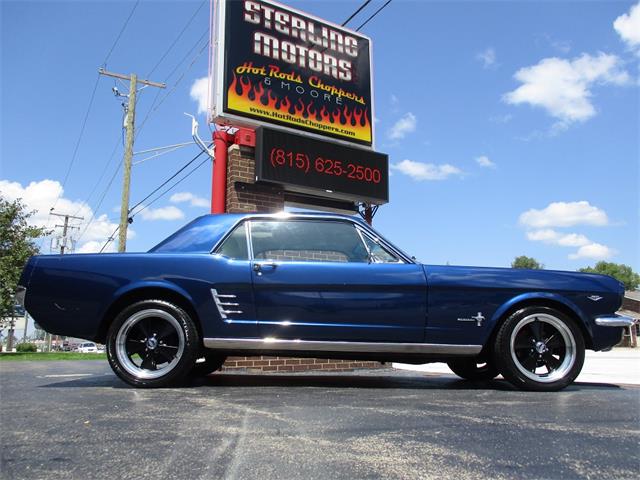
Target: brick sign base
277	364
245	196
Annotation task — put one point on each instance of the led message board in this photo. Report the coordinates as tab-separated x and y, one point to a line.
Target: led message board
277	66
321	167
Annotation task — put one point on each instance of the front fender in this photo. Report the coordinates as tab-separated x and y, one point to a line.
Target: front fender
543	297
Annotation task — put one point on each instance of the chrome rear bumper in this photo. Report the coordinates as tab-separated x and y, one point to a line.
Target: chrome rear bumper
614	321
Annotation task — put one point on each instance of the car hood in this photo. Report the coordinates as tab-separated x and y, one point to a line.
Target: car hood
540	280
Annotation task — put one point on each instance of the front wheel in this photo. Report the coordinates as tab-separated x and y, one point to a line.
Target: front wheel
152	343
539	348
473	369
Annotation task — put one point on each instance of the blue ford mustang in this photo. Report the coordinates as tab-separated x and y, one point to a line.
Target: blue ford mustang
319	285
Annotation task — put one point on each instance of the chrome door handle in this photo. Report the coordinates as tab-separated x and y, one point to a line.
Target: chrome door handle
257	267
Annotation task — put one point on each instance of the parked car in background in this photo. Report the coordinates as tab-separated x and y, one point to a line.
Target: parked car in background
87	347
318	285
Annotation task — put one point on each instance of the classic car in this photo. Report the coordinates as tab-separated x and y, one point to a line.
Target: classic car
318	285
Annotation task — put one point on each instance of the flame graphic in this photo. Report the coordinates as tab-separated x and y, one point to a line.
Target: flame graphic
247	97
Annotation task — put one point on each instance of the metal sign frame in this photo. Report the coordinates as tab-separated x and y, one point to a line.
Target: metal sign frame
219	89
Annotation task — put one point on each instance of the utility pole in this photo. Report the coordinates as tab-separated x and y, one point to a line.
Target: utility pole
128	149
65	228
66	246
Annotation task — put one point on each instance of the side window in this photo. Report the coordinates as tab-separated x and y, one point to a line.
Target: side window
307	241
379	254
235	245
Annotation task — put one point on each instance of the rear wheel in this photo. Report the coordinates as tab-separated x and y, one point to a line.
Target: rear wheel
539	348
473	369
152	343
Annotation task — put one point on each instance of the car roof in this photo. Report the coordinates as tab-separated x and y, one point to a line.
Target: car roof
282	215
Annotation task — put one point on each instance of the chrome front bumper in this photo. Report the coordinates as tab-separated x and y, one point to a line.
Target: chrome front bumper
614	321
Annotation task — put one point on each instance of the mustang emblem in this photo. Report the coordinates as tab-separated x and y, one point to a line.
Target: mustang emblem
595	298
479	318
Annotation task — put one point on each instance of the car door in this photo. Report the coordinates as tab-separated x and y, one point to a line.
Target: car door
314	279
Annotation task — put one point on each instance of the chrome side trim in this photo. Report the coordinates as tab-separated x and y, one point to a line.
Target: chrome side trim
615	321
222	303
319	346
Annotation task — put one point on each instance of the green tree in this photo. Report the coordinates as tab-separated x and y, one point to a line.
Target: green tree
619	271
526	262
16	246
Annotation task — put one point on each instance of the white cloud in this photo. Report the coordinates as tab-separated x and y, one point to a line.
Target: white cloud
403	126
200	93
193	200
487	57
485	162
628	27
163	213
563	87
426	171
594	251
555	238
42	195
564	214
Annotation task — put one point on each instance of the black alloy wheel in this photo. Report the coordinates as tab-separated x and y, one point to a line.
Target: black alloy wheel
152	343
539	348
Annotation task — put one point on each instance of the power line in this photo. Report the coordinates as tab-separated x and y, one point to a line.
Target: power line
82	128
367	2
104	193
153	108
88	111
167	181
124	26
374	14
171	187
173	44
104	170
151	111
112	236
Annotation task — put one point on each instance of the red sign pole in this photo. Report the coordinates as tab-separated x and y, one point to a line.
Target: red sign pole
221	141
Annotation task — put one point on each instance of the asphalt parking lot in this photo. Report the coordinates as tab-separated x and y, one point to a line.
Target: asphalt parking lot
76	420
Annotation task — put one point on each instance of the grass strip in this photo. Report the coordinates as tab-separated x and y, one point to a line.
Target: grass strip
50	356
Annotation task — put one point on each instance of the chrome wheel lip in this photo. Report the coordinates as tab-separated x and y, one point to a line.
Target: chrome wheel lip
121	339
569	344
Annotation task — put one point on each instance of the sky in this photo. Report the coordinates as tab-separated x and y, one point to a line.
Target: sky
512	128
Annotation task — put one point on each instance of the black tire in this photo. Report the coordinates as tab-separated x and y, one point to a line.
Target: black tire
539	349
473	369
206	363
152	343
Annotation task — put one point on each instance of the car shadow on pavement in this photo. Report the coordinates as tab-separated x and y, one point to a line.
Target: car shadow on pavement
338	381
353	380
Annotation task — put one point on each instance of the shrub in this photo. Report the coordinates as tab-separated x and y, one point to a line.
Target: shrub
26	347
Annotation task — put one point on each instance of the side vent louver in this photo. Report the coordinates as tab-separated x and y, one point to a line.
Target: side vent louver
225	303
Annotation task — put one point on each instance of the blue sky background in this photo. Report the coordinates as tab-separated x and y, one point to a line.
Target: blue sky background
488	110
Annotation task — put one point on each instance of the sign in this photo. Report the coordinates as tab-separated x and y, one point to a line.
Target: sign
278	66
321	167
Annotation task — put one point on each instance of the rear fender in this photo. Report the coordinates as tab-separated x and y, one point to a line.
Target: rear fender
132	290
